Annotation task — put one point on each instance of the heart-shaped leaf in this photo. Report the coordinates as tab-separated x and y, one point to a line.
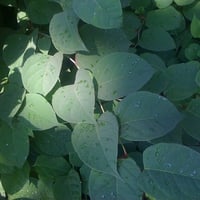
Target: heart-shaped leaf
96	144
75	103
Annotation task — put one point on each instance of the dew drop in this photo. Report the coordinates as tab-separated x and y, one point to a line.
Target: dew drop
137	104
103	196
7	144
168	165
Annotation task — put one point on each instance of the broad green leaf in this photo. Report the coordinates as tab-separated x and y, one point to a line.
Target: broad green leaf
181	80
14	144
53	142
41	13
12	97
68	187
96	144
156	39
120	73
28	192
195	27
191	52
167	18
51	167
44	44
75	103
100	13
163	3
171	172
14	182
103	186
38	113
190	11
41	72
183	2
17	48
64	33
145	116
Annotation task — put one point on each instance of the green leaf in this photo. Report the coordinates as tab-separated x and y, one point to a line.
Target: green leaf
163	3
156	39
103	14
191	52
54	142
96	144
144	116
75	103
118	74
103	186
51	167
43	12
171	172
64	33
17	48
44	44
14	144
14	182
194	107
38	113
12	97
195	27
183	2
181	80
167	18
41	72
68	187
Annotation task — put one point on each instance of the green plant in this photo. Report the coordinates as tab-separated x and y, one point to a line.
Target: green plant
100	99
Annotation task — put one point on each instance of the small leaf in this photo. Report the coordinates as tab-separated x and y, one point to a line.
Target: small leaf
75	103
41	72
120	73
38	113
183	2
167	18
163	3
145	116
171	171
68	187
103	14
64	33
96	145
156	39
103	186
195	27
181	80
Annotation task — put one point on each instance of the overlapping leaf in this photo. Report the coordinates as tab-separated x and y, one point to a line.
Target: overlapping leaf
41	72
75	103
103	186
37	113
118	74
145	116
171	172
96	144
100	13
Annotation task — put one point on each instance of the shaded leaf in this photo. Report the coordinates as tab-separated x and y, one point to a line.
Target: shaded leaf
163	3
183	2
156	39
195	27
96	144
145	116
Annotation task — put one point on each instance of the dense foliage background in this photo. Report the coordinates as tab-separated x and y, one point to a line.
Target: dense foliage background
100	99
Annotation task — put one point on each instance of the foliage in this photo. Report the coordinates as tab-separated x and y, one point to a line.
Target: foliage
100	99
